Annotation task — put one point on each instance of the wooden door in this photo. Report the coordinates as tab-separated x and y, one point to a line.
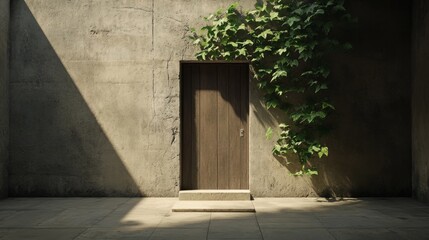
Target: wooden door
215	108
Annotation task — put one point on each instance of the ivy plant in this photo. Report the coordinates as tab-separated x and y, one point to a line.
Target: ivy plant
286	42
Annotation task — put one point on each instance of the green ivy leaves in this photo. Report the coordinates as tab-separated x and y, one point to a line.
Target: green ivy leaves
285	41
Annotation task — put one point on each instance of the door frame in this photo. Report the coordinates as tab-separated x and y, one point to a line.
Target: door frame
181	96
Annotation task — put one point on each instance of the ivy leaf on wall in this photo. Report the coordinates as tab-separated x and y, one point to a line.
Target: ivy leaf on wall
286	43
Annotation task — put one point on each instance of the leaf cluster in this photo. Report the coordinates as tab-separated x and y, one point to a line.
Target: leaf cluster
286	42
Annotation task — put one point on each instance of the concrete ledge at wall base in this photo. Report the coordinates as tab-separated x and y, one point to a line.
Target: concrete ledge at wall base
214	195
213	206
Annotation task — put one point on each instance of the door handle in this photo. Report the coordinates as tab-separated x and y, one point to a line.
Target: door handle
241	132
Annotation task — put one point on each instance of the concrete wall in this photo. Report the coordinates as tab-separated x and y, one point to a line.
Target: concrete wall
95	95
4	97
420	101
95	102
370	139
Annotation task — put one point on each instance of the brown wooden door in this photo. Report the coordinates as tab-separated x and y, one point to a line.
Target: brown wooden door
215	139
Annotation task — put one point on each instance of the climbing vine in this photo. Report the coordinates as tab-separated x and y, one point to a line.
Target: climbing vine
286	42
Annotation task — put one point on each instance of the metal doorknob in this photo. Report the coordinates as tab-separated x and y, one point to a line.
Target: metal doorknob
241	132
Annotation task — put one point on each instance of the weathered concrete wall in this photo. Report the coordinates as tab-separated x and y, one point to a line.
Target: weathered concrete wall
4	95
95	95
95	102
369	144
420	100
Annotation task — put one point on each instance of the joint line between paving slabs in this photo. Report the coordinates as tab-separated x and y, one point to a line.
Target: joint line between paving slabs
327	229
208	228
83	231
259	226
155	228
332	235
114	209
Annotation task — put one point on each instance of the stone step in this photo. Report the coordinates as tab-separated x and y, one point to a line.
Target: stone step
214	195
213	206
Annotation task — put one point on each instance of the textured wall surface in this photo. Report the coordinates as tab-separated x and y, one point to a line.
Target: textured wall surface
95	95
95	102
420	100
369	146
4	97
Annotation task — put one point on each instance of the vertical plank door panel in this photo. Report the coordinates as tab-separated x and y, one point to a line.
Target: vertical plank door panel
234	114
208	127
223	131
195	142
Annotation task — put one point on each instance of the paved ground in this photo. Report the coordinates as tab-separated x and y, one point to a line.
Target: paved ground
151	218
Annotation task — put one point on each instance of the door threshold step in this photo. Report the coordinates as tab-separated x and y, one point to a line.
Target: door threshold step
213	206
215	195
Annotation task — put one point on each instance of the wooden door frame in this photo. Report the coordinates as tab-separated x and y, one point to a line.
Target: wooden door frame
183	62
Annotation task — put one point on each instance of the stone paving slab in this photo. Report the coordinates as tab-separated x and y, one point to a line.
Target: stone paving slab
153	219
359	234
297	234
42	234
28	218
179	234
116	233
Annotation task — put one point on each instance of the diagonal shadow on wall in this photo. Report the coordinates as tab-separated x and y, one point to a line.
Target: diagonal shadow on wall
57	147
